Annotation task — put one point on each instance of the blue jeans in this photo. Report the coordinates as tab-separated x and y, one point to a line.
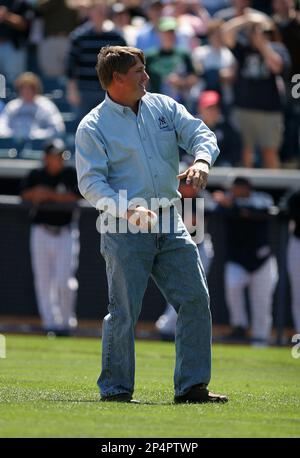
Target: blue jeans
173	261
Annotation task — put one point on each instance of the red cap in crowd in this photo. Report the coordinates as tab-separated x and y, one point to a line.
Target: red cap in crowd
208	99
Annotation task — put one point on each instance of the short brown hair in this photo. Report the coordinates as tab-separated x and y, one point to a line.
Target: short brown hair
116	59
29	79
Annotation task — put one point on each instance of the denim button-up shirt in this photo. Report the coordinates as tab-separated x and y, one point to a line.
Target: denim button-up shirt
122	156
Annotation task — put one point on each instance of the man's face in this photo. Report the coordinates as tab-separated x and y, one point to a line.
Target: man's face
122	19
27	93
210	115
134	81
54	163
239	190
97	13
168	40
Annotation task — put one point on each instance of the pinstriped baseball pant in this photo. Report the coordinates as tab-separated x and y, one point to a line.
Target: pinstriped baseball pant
54	261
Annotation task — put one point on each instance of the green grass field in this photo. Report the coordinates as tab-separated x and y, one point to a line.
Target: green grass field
48	389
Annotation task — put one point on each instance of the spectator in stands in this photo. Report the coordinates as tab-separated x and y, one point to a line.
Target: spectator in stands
136	8
262	61
31	115
122	23
58	21
228	137
148	38
86	42
292	205
213	6
192	18
54	239
287	20
170	68
216	63
15	18
249	260
263	6
239	8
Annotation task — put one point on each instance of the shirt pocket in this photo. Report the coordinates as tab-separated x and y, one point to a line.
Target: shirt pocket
167	142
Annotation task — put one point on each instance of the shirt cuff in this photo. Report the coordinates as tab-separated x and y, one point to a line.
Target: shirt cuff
203	156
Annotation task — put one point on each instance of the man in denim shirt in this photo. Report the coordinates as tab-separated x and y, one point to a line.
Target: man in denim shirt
127	162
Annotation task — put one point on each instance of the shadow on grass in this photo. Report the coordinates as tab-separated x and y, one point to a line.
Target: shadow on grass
107	403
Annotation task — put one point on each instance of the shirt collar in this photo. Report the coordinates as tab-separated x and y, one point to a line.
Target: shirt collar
116	106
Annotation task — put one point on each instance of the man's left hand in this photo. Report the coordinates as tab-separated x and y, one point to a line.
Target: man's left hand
196	175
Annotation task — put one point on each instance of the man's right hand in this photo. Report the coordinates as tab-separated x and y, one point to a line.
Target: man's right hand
141	217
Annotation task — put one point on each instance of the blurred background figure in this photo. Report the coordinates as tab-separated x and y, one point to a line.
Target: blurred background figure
229	140
136	8
291	204
216	63
239	8
31	115
148	37
170	68
192	18
86	41
54	242
249	263
287	20
58	21
262	5
212	6
121	22
262	61
15	20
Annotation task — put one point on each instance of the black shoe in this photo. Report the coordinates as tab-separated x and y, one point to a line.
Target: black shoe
58	333
122	397
199	394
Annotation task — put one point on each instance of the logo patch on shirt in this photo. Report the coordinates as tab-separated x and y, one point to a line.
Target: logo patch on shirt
162	122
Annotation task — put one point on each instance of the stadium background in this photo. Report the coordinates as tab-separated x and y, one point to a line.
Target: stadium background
17	158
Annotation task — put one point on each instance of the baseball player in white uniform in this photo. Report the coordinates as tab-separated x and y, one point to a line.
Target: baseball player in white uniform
54	241
293	256
250	262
